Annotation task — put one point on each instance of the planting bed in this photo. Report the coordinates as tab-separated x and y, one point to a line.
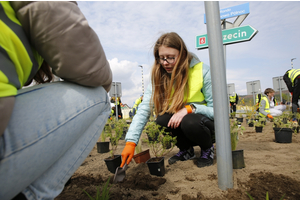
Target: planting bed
270	166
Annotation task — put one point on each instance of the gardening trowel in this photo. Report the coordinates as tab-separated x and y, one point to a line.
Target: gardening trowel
120	173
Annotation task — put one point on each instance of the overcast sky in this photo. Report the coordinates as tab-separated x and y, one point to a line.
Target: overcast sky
128	30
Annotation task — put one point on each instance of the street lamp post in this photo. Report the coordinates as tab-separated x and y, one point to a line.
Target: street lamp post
142	78
292	62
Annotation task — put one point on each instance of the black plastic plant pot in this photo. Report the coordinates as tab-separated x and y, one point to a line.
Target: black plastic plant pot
283	135
113	163
239	119
258	129
156	166
238	159
102	147
251	124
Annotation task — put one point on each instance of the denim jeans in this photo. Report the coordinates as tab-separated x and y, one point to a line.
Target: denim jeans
52	130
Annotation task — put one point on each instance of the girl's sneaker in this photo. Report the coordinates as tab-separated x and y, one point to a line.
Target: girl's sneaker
206	158
182	155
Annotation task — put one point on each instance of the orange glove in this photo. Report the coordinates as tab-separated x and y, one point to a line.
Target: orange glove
292	93
270	116
127	153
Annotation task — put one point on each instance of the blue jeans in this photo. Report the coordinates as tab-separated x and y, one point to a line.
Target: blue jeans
52	130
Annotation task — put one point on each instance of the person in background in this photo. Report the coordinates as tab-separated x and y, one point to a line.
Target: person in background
292	81
234	99
180	93
275	109
257	99
119	104
264	104
47	130
136	104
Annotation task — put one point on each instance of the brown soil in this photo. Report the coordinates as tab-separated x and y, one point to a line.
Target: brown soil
270	167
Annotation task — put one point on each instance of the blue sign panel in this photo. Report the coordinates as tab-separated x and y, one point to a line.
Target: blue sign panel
233	11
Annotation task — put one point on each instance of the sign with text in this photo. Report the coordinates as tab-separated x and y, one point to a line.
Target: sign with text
233	11
230	36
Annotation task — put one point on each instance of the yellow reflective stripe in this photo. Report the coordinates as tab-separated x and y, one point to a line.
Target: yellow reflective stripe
195	81
195	85
293	74
199	103
232	98
6	89
9	11
267	107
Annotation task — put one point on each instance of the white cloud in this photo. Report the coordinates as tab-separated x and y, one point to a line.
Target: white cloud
130	75
128	30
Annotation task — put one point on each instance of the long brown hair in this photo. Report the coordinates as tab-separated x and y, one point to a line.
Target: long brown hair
162	82
43	75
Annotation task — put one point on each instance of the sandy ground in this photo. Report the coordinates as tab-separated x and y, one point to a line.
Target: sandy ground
270	167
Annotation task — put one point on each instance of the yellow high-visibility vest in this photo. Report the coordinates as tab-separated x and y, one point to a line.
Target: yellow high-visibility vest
232	99
195	81
267	107
293	73
19	61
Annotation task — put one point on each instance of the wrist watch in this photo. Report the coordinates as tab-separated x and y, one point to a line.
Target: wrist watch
193	108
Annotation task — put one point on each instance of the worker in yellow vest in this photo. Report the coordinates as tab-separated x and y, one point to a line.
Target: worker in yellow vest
180	93
292	81
264	105
234	99
275	109
136	104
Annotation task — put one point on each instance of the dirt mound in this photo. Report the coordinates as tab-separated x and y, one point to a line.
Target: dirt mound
270	167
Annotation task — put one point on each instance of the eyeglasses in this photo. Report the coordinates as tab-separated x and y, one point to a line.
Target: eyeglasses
169	60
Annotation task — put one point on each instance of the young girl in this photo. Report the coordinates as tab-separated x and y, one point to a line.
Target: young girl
181	94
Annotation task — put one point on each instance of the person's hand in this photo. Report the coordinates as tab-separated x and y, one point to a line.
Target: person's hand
292	93
127	153
234	104
269	116
177	118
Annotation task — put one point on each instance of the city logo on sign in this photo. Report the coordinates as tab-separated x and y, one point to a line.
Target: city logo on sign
202	40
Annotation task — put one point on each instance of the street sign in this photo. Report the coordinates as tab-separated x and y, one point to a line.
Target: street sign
230	36
233	11
279	84
230	89
253	87
115	90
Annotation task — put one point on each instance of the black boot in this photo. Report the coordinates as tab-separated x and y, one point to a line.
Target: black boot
20	196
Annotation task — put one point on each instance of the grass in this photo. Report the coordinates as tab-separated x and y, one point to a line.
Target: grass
105	192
